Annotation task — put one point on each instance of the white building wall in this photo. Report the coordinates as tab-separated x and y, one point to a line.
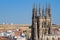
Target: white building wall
50	37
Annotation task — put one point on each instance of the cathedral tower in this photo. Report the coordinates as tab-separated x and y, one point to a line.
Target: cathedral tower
41	22
48	19
34	34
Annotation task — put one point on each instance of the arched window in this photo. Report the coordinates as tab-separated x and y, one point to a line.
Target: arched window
47	38
52	38
58	38
41	38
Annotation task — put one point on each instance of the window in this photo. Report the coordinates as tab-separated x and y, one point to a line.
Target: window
52	38
58	38
47	38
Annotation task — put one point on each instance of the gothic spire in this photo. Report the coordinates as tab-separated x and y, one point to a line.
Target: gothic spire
33	11
39	10
43	10
36	11
48	11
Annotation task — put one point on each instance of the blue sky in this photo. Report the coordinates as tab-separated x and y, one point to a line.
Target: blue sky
20	11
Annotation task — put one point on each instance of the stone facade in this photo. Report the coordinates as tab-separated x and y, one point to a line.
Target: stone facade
41	24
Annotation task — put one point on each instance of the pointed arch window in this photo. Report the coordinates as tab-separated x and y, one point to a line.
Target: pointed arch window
58	38
52	38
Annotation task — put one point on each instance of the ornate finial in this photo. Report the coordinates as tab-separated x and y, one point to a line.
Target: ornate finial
34	5
34	10
39	10
43	10
49	6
